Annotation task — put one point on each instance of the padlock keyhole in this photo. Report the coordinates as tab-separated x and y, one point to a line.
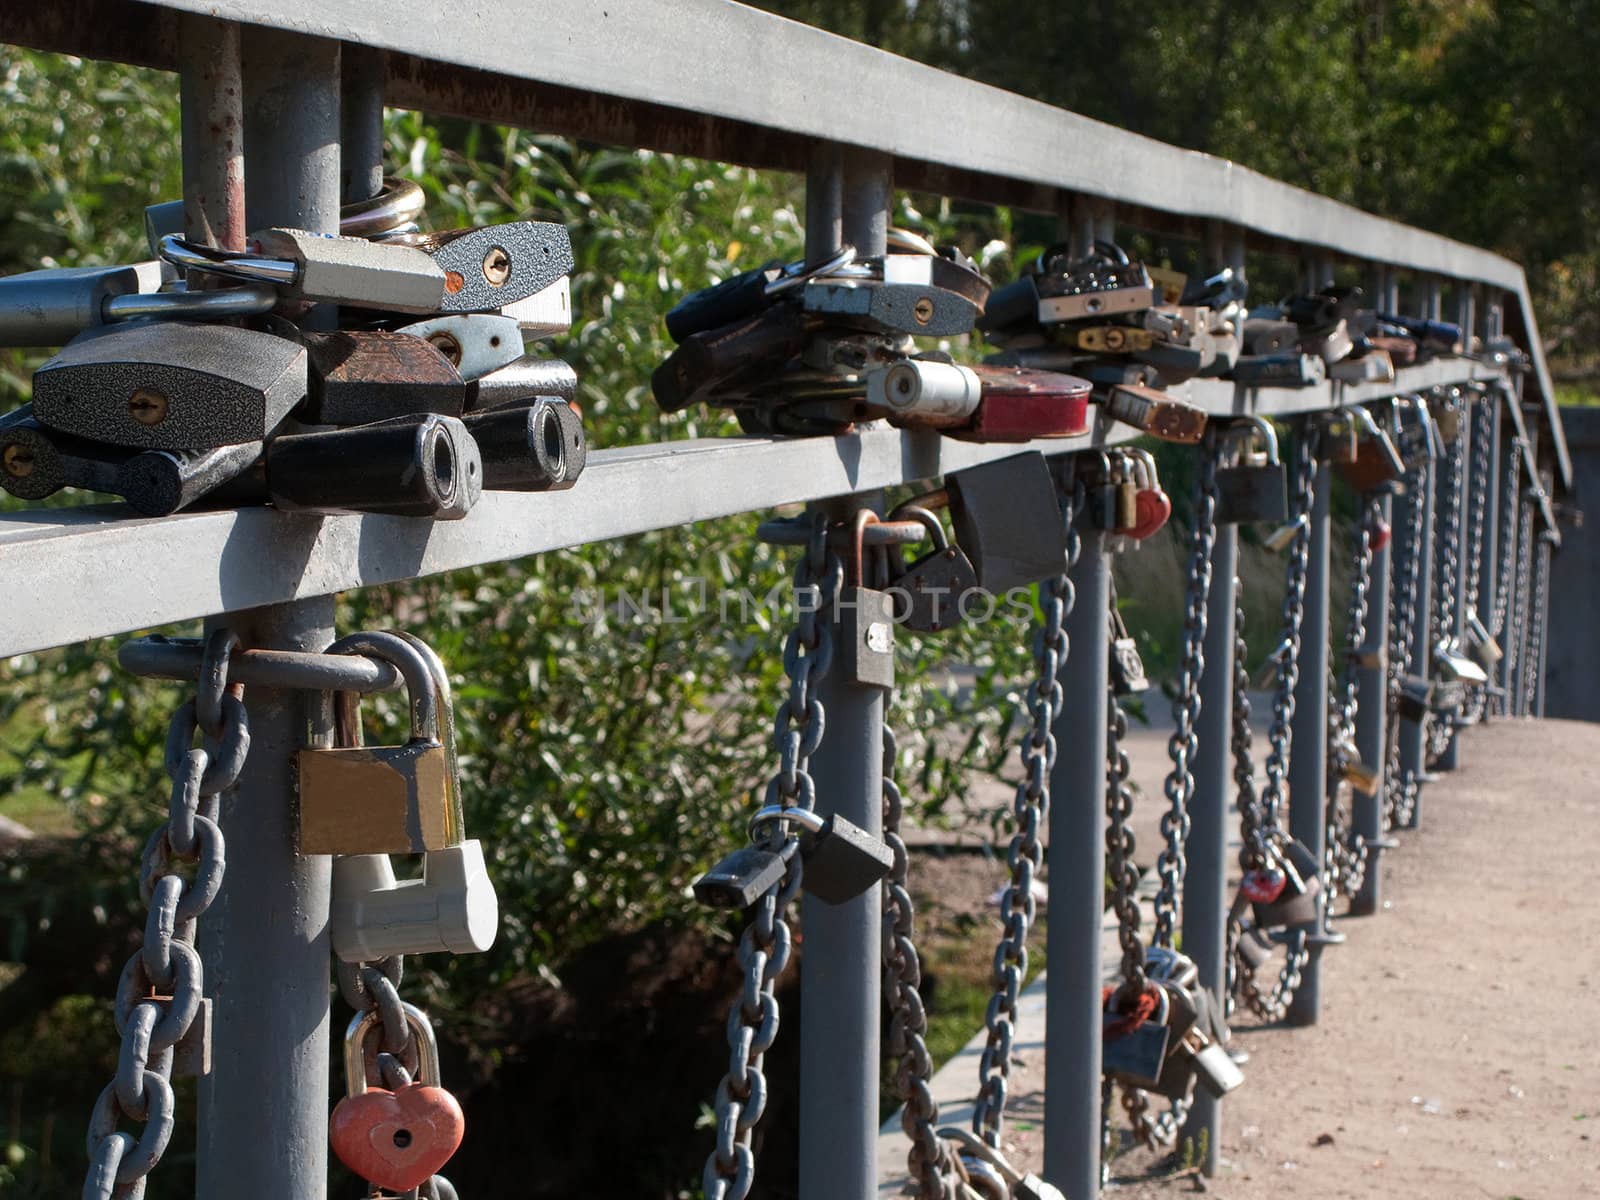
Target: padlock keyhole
402	1138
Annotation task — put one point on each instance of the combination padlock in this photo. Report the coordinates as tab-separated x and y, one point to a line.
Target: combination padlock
364	803
865	643
395	1139
931	594
1253	486
842	860
1007	518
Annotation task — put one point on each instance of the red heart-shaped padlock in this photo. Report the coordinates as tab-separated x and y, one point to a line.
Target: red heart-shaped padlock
1379	537
1151	508
1263	886
397	1139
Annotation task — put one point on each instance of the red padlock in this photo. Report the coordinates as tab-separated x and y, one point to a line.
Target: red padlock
1263	885
1151	505
1379	537
1018	404
398	1139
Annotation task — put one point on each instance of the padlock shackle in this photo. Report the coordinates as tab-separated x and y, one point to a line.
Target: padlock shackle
854	575
909	512
361	1027
1257	425
413	666
766	815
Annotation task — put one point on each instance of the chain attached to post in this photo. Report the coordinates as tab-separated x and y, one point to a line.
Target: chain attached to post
1477	526
1031	811
765	946
1401	786
1346	850
161	993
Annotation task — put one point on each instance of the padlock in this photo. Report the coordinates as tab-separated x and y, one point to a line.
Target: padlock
539	448
1254	948
929	594
1108	339
1253	487
1340	440
157	483
1446	408
518	383
51	307
1019	404
1413	699
1439	335
1331	346
865	642
1098	285
1447	696
1269	335
425	466
1300	901
1014	1184
1370	366
1346	762
1454	666
36	462
171	385
706	363
842	860
744	876
1402	351
452	907
1153	411
1125	666
1100	493
1480	643
394	1139
1287	370
357	799
1210	1064
920	394
745	295
1133	1051
1127	492
1007	519
545	312
1151	504
473	343
920	309
359	376
1416	439
1377	463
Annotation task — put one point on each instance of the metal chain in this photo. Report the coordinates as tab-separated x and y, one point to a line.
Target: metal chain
765	946
1120	868
1254	848
1519	620
1030	811
1345	851
1508	543
1184	744
1538	619
1477	527
1401	787
1448	545
162	986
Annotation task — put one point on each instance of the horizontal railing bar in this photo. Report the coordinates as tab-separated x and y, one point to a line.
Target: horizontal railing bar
74	574
635	72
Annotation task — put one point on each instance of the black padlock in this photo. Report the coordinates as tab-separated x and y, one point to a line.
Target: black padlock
1413	701
539	448
866	619
158	483
1253	487
1007	518
744	876
358	376
36	461
931	594
842	860
1134	1056
1300	901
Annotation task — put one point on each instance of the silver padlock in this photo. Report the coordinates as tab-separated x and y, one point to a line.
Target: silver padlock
474	343
1020	1185
452	907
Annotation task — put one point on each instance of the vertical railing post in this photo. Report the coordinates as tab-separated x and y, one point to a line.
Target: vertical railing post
1541	592
840	970
1308	732
1372	722
1205	882
212	96
1509	474
1077	859
361	123
264	1107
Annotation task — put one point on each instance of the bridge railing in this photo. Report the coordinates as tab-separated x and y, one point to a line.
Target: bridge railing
782	95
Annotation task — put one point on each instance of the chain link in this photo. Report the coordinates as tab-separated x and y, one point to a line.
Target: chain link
1477	527
162	986
1519	620
1512	491
766	943
1537	620
1120	868
1401	786
1030	810
1345	851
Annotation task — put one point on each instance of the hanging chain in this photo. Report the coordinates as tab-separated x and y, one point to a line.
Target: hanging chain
1519	620
1446	587
1030	811
1184	744
1538	619
1508	542
766	943
1400	786
1478	485
1294	600
1120	868
162	986
1345	851
1253	849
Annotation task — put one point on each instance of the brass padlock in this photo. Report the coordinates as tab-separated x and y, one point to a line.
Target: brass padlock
1127	515
357	799
1377	463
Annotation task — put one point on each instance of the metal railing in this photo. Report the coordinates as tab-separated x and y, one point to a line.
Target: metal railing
634	73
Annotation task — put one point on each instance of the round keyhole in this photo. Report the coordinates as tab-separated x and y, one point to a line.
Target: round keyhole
19	461
148	406
497	266
447	345
923	311
402	1138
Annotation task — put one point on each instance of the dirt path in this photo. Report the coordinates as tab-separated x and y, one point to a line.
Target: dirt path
1457	1055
